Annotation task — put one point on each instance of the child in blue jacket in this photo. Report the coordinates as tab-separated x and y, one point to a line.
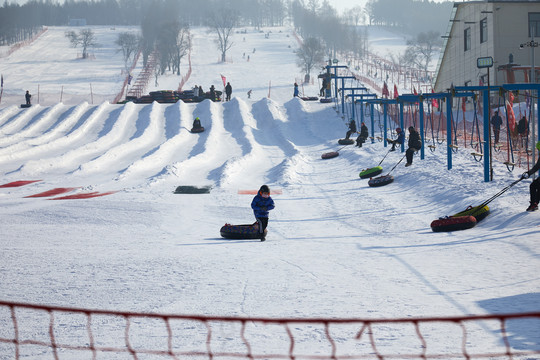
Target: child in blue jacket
262	203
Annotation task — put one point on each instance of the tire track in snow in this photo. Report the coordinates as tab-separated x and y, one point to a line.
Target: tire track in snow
210	154
33	128
149	132
7	113
22	118
84	131
177	146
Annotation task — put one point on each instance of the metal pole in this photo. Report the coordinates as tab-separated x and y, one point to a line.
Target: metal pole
372	107
449	130
421	105
533	80
385	107
401	124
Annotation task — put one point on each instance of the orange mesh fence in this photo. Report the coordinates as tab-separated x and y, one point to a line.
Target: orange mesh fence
46	332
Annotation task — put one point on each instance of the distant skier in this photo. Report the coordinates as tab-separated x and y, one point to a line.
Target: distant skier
352	129
415	144
534	188
364	134
27	96
398	141
261	204
228	91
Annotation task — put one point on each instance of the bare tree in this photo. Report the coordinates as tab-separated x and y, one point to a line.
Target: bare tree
223	22
85	38
129	45
310	54
422	49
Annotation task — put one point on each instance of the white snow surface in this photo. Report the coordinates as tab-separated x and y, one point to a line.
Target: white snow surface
336	248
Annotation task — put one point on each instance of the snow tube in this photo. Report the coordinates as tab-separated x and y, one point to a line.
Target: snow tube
23	106
247	231
330	155
453	223
309	98
197	130
370	172
381	180
479	212
326	100
345	141
190	189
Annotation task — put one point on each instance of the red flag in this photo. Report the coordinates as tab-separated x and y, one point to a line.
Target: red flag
414	91
385	91
224	79
396	95
463	105
434	102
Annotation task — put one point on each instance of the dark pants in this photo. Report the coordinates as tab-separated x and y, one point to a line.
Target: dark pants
360	140
263	223
496	134
535	190
394	143
409	154
349	133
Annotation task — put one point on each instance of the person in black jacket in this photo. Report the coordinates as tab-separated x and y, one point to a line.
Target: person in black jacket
534	189
228	91
352	129
364	134
415	144
27	97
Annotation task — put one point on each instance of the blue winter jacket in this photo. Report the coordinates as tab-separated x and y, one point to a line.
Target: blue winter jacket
261	206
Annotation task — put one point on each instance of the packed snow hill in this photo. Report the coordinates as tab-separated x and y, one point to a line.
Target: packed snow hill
90	217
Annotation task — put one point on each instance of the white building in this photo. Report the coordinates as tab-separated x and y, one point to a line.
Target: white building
489	28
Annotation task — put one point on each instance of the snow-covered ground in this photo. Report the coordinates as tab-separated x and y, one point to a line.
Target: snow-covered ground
336	248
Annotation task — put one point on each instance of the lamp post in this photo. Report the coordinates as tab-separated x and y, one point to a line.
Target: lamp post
532	44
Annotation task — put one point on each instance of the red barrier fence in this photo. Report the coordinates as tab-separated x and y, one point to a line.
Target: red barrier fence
48	332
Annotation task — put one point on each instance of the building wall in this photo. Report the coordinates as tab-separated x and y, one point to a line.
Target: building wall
507	24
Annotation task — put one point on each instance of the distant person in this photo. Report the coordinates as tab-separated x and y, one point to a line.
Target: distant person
228	91
352	129
27	96
323	88
295	93
261	204
523	130
249	93
197	123
398	141
415	144
212	93
534	188
364	134
496	122
201	91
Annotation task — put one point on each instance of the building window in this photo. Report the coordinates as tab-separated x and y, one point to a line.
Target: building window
534	21
467	39
483	30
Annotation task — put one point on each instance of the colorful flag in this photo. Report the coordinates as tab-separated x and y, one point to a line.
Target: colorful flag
224	79
414	91
396	95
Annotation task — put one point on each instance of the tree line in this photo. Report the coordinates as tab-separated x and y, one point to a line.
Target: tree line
20	22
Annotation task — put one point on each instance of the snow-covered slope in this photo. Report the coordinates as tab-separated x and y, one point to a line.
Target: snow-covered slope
335	248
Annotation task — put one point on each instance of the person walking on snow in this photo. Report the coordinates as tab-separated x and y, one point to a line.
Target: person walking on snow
398	141
228	91
496	122
261	204
364	134
415	144
534	188
352	129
